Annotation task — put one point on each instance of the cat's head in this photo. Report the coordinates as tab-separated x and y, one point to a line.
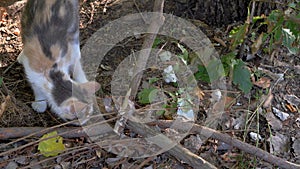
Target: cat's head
72	100
81	104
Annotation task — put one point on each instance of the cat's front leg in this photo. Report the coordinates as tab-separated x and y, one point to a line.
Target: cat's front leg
78	73
40	103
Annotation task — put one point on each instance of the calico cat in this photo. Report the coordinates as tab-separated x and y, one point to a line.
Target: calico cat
51	58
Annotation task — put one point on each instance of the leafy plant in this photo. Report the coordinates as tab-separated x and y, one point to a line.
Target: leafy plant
241	77
147	95
52	146
231	67
283	29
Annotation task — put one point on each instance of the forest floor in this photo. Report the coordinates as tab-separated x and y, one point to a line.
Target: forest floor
270	110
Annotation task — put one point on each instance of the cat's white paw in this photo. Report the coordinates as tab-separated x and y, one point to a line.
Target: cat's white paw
39	106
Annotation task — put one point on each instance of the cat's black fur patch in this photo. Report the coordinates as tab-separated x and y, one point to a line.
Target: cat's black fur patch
64	89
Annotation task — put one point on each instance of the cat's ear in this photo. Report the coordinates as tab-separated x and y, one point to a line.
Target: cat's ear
90	87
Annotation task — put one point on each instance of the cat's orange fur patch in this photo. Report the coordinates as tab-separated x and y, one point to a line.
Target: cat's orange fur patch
36	57
55	51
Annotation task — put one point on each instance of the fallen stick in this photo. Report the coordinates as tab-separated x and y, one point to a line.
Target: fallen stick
18	132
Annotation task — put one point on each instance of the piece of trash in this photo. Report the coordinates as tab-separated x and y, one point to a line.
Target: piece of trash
185	109
169	75
280	114
255	137
216	96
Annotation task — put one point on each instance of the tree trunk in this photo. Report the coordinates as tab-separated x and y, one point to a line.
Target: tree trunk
223	12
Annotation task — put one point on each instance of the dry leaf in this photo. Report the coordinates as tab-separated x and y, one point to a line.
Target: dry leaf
199	93
263	82
257	44
4	105
220	41
268	101
291	108
229	101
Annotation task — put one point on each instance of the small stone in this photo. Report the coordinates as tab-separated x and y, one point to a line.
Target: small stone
33	166
22	160
66	165
12	165
57	167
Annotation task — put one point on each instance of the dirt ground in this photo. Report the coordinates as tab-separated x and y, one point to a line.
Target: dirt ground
16	97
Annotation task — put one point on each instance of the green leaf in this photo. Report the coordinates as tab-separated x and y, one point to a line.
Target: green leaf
157	42
202	74
241	77
213	71
52	146
153	80
1	81
292	5
238	35
185	54
293	27
288	40
228	62
277	34
148	95
162	112
273	17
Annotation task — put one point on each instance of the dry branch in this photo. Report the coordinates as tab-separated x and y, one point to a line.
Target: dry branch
18	132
